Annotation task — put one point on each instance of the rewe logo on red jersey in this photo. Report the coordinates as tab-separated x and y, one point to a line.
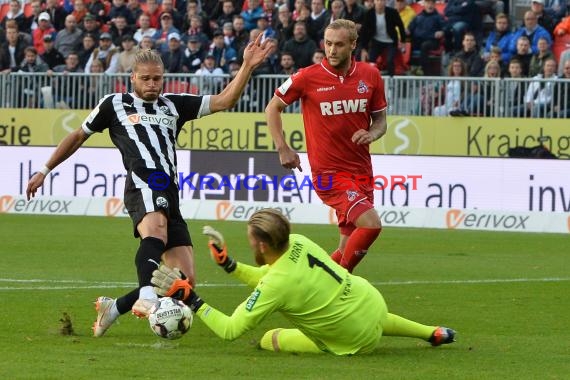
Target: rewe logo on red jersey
340	107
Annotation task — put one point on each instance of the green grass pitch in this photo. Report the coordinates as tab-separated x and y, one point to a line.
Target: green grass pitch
506	294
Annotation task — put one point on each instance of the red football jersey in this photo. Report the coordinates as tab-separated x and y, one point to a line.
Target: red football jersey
334	107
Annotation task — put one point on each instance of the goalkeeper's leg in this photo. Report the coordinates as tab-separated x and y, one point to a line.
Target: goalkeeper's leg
288	340
394	325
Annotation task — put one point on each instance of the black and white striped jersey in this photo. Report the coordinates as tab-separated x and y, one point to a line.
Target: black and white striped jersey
145	132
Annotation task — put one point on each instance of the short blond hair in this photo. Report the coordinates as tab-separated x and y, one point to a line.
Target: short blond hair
350	26
145	56
271	227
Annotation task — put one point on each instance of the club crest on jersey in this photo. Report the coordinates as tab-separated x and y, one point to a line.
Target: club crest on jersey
161	202
165	110
362	87
351	194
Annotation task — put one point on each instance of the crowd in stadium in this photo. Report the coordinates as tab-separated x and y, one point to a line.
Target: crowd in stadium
207	37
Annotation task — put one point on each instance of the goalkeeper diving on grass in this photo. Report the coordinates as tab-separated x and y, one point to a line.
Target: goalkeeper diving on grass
333	310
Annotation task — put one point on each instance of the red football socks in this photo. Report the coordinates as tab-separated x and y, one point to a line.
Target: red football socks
357	246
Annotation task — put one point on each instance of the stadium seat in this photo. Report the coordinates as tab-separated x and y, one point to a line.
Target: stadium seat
176	86
417	7
4	8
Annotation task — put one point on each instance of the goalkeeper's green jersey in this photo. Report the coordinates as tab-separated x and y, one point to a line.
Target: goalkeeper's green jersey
340	312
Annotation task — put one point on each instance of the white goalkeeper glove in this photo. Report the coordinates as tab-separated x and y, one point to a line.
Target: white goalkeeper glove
172	283
218	249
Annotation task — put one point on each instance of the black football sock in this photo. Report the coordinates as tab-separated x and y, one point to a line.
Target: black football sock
148	259
126	302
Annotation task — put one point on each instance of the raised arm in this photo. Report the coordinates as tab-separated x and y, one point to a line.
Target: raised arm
255	53
65	149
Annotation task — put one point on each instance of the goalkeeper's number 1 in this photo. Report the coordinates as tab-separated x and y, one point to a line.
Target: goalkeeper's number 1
313	261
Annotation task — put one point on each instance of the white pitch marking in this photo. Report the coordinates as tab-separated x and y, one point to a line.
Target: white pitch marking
81	284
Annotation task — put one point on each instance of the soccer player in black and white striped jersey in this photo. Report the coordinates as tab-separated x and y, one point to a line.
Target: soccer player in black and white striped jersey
144	125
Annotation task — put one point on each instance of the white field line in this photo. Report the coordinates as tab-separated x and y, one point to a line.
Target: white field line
47	284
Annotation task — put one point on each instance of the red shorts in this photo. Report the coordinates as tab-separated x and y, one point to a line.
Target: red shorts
347	196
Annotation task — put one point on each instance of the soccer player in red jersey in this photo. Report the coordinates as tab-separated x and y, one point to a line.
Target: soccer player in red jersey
344	110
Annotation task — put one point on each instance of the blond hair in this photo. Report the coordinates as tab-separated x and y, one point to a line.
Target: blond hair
344	24
271	227
144	56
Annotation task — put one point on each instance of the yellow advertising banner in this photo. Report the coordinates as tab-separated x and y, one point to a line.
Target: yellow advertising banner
438	136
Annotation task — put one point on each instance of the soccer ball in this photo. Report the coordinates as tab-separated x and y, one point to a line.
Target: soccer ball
170	318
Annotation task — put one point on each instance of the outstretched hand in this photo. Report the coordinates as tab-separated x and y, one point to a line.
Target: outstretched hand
290	159
256	51
34	184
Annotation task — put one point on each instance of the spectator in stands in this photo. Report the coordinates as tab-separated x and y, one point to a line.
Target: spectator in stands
146	43
228	30
221	52
90	25
500	37
532	30
251	14
544	20
335	13
23	36
426	31
97	9
301	46
89	43
480	101
354	12
196	29
56	14
144	28
29	92
51	56
223	15
166	27
127	54
36	6
515	90
71	65
193	55
316	22
16	13
270	10
536	64
136	11
154	12
265	28
557	9
95	87
212	76
284	26
69	38
561	107
44	27
462	16
66	89
193	10
407	14
523	54
241	35
270	64
382	35
287	64
497	56
173	58
299	6
120	28
540	93
79	11
470	55
318	56
177	18
106	52
119	8
453	89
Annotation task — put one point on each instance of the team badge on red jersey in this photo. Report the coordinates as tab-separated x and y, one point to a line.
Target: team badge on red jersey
362	87
351	195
